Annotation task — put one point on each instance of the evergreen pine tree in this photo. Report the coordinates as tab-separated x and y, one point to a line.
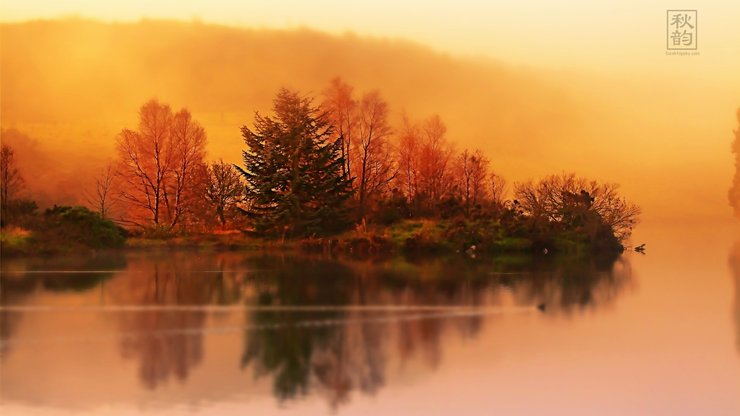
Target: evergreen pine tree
293	169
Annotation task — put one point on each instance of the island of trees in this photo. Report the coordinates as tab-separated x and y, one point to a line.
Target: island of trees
328	172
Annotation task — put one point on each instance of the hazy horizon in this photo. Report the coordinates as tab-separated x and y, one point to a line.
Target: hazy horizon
647	131
574	34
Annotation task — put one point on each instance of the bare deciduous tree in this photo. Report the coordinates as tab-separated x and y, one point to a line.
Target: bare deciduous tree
498	192
363	129
342	109
408	158
156	164
472	170
374	167
188	151
103	198
435	155
224	189
11	181
557	198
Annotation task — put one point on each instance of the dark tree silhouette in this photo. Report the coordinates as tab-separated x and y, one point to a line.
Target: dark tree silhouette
102	199
571	202
11	181
472	172
224	189
293	170
498	193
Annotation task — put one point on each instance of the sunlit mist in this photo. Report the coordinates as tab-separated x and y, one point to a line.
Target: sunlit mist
644	131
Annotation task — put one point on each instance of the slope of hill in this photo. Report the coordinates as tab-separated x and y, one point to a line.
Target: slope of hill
68	86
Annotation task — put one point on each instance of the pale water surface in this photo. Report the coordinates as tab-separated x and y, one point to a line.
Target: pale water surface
238	333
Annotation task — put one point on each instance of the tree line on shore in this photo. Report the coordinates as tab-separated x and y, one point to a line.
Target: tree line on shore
317	166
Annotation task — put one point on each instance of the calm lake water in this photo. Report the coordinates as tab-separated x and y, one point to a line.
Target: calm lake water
239	333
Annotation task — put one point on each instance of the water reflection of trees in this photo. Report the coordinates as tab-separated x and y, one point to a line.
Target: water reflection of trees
23	276
565	286
735	267
168	343
284	349
350	353
332	352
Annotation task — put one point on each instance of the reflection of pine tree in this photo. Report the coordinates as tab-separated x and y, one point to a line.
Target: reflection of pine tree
350	355
282	352
293	170
283	348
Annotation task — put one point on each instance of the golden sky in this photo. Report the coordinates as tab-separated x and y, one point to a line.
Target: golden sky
611	34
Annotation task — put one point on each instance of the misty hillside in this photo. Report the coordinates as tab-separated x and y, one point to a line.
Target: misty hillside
80	71
69	86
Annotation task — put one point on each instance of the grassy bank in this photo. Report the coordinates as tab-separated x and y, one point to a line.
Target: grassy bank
234	240
473	237
470	237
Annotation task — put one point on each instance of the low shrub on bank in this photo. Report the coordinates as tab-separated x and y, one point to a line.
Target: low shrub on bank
63	229
68	226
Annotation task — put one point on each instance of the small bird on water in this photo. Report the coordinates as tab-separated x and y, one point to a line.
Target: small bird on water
541	307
